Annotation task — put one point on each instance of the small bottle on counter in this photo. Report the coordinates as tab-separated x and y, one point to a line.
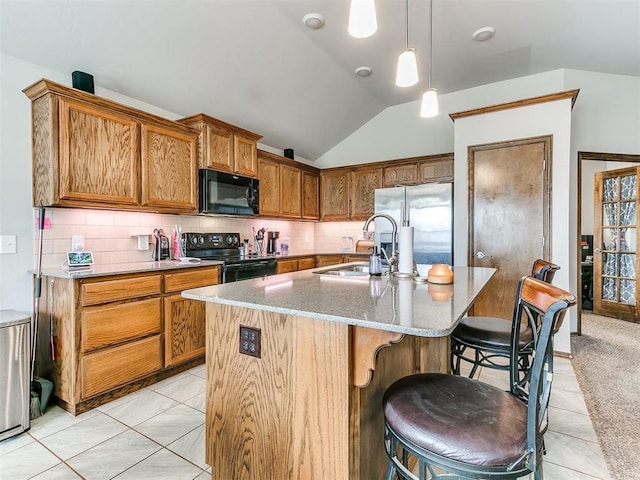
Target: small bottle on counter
375	263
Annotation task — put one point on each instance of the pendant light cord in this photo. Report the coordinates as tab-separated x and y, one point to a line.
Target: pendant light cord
406	23
430	39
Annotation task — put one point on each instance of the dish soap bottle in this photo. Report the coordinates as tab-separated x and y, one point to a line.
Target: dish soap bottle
375	263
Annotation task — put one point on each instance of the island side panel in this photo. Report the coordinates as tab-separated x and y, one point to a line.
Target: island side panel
434	354
284	415
368	458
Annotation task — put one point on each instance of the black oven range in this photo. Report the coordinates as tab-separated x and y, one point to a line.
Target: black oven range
226	247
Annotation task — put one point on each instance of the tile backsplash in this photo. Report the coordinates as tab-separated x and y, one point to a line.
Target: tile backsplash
112	236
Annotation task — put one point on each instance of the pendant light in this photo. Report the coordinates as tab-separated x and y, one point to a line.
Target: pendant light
362	18
429	104
407	69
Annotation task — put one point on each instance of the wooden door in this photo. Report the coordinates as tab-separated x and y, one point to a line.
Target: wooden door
509	212
616	243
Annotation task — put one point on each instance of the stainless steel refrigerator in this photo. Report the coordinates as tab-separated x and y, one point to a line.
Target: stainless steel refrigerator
430	212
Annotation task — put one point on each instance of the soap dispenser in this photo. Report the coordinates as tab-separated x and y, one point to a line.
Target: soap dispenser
375	263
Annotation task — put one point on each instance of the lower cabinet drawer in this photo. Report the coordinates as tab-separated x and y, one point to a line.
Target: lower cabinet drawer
286	266
112	367
104	291
109	325
306	263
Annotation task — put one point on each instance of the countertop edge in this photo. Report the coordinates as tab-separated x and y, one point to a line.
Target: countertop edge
193	295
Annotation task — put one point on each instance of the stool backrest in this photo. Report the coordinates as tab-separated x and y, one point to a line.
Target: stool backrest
547	303
544	270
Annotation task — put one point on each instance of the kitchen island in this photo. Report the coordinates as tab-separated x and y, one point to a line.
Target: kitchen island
297	364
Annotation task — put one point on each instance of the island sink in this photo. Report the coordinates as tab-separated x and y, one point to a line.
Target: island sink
350	270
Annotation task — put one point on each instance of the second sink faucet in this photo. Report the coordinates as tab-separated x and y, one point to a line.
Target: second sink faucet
393	261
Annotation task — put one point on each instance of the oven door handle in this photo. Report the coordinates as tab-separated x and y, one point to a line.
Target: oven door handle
248	265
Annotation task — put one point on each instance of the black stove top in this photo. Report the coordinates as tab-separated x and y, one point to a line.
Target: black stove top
218	246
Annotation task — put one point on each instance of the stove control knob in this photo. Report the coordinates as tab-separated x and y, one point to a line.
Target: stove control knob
200	239
194	240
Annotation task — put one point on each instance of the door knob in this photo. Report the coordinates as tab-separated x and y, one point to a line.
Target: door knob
597	250
481	255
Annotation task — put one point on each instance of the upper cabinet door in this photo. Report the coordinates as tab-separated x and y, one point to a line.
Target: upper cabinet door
290	197
169	168
334	190
310	195
98	154
363	185
269	175
218	149
246	155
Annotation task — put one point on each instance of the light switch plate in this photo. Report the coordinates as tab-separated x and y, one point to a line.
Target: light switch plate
8	244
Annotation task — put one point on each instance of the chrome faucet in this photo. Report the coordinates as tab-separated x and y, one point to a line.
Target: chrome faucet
393	261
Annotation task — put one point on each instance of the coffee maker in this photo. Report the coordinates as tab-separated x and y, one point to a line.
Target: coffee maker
272	242
161	249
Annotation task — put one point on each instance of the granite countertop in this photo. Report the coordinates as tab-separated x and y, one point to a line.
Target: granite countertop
151	266
122	268
384	303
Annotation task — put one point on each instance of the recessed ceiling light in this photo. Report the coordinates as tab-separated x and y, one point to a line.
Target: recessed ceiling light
313	20
484	33
363	71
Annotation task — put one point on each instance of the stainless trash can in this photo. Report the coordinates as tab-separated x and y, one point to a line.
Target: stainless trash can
15	384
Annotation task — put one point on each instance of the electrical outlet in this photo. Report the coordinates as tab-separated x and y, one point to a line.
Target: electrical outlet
250	341
77	243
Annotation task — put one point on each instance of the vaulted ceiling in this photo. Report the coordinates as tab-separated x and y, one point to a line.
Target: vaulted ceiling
255	64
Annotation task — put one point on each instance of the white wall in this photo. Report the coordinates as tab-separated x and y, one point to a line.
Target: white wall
400	132
552	118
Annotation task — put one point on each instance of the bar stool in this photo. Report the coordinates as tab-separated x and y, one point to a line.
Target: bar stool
469	428
489	337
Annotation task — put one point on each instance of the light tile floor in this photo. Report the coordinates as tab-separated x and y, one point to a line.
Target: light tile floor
158	432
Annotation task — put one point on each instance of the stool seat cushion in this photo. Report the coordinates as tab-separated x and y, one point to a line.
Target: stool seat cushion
489	332
458	418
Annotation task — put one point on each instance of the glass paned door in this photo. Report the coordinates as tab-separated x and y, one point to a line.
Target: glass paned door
616	244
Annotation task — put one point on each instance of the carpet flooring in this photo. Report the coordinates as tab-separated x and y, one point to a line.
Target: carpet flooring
606	361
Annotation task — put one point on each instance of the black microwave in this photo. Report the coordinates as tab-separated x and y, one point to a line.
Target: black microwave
227	194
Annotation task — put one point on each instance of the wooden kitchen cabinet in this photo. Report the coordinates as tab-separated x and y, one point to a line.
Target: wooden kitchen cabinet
363	185
400	175
169	168
184	319
348	194
290	191
334	195
225	147
108	138
286	265
436	170
310	195
269	176
92	152
328	260
287	189
118	333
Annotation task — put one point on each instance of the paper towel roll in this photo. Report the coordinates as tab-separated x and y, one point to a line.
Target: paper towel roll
405	249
